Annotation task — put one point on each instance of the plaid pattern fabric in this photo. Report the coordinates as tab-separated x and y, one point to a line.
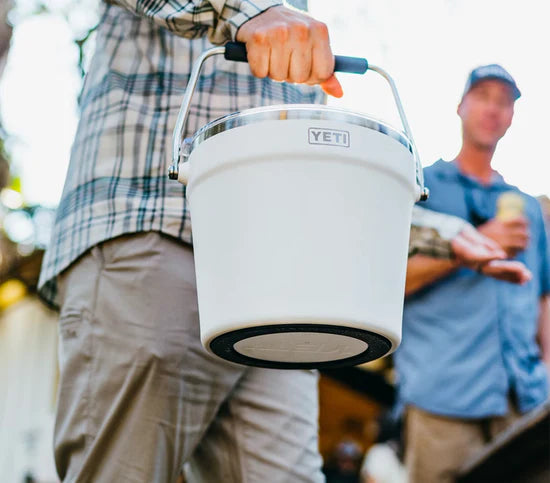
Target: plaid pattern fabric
427	241
117	179
217	19
432	232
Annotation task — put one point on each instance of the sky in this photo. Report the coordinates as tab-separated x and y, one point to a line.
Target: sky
428	46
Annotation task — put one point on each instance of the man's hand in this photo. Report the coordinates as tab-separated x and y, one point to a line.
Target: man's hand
287	45
472	248
507	270
478	252
511	235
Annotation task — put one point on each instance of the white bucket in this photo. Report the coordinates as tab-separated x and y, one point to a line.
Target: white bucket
301	219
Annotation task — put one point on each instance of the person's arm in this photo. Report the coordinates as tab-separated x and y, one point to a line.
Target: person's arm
437	257
441	243
423	271
544	330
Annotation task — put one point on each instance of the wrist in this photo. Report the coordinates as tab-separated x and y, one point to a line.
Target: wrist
248	9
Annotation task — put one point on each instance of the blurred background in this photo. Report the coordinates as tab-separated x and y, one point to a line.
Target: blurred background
429	47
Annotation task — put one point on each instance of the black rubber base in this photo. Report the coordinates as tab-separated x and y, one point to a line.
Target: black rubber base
223	346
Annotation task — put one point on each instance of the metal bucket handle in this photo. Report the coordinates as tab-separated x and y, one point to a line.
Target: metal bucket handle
236	51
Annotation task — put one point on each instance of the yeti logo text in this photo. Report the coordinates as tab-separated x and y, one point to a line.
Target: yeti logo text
329	137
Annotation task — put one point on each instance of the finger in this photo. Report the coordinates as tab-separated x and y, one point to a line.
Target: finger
467	251
512	271
517	277
322	67
506	276
521	238
301	55
470	234
492	247
259	54
511	277
472	252
332	87
520	233
516	222
511	252
300	66
496	252
517	228
473	260
280	53
475	237
519	242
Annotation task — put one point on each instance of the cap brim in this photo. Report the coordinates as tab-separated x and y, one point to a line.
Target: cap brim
516	93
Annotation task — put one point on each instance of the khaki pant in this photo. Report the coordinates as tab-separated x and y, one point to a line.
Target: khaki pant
139	396
437	446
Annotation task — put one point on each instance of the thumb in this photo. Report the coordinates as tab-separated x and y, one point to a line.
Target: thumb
332	87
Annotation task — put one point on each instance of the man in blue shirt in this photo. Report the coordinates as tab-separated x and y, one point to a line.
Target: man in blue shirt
469	361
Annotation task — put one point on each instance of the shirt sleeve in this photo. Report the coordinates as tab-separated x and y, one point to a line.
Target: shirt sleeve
217	19
448	226
432	233
427	241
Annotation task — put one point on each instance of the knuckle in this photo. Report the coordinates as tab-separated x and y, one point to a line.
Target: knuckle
280	33
320	30
324	72
258	71
301	32
259	37
258	68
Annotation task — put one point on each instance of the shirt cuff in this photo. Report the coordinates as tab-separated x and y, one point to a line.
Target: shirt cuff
447	226
249	9
427	241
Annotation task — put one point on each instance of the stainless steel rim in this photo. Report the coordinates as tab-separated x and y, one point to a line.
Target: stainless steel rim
312	112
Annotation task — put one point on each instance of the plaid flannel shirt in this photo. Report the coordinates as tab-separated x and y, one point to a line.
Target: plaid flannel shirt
117	179
432	232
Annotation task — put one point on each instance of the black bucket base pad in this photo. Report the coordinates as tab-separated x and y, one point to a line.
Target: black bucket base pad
223	345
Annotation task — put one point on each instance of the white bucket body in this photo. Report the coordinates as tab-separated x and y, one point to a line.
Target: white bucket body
300	224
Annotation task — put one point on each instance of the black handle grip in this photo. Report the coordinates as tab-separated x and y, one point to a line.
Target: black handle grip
351	65
236	51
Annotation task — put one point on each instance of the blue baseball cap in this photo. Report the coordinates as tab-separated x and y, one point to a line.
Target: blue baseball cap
491	71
